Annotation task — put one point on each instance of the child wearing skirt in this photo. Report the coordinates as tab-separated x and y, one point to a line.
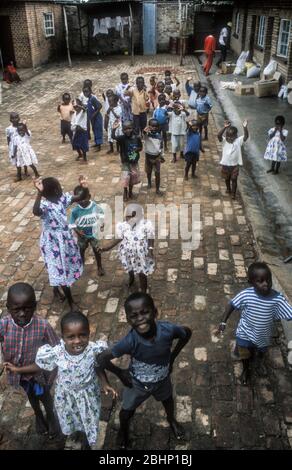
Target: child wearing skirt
80	132
276	149
23	153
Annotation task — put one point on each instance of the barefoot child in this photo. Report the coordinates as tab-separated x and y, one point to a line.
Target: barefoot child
95	117
136	239
125	101
130	145
87	221
276	149
231	154
66	110
11	132
140	104
80	131
260	306
177	129
58	246
114	114
22	332
149	344
77	392
161	115
153	146
203	106
192	148
23	153
192	92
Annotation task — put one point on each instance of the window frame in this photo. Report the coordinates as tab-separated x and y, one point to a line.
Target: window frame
261	31
279	43
49	24
237	23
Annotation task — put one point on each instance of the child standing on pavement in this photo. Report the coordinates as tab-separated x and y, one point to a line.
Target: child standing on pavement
130	145
23	153
193	148
140	104
177	129
58	246
21	334
66	110
153	146
125	101
114	114
276	149
203	106
87	219
149	344
135	237
77	393
161	115
80	130
192	92
260	306
231	154
94	116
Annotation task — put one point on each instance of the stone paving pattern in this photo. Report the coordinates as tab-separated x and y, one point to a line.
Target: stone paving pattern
189	287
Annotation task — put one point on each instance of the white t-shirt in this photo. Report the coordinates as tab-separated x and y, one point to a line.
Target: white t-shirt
177	123
231	153
80	120
223	34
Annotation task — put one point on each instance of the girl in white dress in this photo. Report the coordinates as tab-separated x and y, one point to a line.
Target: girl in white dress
23	153
114	114
276	149
77	392
136	239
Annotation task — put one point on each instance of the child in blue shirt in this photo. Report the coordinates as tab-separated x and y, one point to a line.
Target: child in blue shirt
260	306
149	343
87	220
203	105
192	92
192	148
161	115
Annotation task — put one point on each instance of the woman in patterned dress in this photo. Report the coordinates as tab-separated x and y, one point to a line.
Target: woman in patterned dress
58	246
276	149
136	239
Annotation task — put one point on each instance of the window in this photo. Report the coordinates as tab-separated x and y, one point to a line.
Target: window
261	31
49	24
237	23
284	37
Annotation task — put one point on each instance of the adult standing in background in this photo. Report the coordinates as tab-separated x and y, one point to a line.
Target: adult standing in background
209	49
224	42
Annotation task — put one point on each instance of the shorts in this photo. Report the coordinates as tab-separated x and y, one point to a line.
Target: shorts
135	396
192	157
177	143
66	128
230	172
164	127
83	242
203	119
130	175
152	161
244	349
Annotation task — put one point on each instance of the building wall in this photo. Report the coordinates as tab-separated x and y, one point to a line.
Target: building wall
19	30
168	25
44	49
273	16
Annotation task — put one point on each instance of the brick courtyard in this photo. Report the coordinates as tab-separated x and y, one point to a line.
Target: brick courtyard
189	287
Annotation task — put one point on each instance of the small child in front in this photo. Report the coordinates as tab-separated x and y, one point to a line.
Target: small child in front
149	344
23	153
177	129
87	220
192	148
276	150
231	154
21	334
260	306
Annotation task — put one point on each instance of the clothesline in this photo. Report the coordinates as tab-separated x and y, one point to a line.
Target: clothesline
102	25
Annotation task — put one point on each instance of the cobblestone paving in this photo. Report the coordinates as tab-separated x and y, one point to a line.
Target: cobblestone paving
189	287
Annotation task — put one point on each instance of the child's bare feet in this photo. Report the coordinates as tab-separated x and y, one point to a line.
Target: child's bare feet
122	441
159	193
100	271
41	425
245	377
59	295
109	152
186	177
177	429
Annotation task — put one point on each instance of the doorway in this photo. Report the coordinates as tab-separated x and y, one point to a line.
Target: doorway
6	41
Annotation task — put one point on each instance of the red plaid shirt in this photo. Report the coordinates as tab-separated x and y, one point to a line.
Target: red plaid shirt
20	345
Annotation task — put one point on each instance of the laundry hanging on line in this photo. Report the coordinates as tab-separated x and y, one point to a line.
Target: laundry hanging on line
102	25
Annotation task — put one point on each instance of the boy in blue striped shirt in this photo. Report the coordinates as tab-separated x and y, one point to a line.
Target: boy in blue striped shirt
260	306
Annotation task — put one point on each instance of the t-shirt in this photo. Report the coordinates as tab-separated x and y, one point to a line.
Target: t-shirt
139	100
153	143
193	144
258	313
231	153
203	105
161	115
177	123
129	148
87	219
149	359
79	119
223	34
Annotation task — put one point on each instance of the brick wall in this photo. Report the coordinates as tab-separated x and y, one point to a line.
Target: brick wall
44	49
20	37
264	55
168	25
